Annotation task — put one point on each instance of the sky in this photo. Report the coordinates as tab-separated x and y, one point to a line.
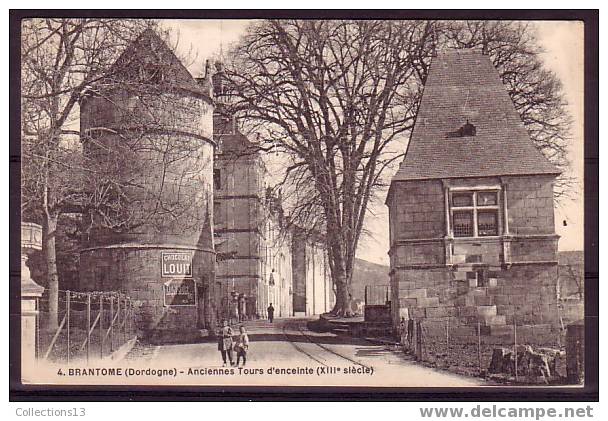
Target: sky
562	42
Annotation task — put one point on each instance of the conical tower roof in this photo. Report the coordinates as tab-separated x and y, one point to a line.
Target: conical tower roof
150	60
467	125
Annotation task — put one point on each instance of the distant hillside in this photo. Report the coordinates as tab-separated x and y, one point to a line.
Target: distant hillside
571	274
367	273
574	257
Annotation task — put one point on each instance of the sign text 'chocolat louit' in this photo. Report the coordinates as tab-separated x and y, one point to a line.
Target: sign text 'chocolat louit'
176	264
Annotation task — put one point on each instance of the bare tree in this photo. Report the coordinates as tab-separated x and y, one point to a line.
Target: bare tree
336	95
126	168
535	91
60	58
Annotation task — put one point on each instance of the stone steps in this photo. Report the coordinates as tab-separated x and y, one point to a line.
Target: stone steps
472	305
497	320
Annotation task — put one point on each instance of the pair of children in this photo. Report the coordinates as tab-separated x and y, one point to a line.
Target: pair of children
226	344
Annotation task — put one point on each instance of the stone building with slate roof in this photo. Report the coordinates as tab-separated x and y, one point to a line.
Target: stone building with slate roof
472	233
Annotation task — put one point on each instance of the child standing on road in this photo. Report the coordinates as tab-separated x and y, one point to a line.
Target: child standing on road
224	344
241	347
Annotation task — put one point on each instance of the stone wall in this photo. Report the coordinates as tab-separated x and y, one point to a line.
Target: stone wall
530	201
136	271
524	294
479	284
417	210
312	285
128	259
251	218
298	265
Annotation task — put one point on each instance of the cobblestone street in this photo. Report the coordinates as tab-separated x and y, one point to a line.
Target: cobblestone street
287	347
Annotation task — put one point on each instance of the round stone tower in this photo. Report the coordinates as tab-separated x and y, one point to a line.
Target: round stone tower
147	138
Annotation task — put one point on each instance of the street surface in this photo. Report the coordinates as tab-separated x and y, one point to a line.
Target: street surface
287	353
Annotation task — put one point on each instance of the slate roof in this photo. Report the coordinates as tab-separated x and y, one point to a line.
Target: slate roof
464	85
236	143
150	52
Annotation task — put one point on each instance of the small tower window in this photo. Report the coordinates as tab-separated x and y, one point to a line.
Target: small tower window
217	179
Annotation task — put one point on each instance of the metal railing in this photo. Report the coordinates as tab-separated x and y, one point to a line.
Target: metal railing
377	295
470	350
91	324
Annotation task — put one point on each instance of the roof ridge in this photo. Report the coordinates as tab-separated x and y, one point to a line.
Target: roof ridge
476	50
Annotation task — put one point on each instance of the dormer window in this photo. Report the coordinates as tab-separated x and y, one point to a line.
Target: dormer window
466	130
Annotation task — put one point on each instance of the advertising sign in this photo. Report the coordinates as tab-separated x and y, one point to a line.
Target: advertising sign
179	292
176	264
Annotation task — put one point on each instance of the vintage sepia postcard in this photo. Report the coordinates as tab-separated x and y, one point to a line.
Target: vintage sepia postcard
302	202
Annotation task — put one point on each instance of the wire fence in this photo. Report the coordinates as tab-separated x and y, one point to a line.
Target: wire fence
377	295
88	325
527	354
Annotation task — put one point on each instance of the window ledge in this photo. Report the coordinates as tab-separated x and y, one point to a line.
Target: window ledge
489	239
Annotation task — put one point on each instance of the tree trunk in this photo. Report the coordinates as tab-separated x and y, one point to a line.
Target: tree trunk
340	279
51	265
342	307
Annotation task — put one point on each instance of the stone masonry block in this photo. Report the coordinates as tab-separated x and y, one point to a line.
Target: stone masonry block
418	313
408	302
501	299
439	312
463	331
483	300
534	299
428	302
496	320
465	301
505	309
496	290
517	299
413	293
504	330
406	285
486	310
467	311
479	291
423	283
524	334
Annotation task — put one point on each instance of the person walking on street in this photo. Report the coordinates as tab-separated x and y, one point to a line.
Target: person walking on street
242	314
235	312
403	333
224	344
270	311
241	346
